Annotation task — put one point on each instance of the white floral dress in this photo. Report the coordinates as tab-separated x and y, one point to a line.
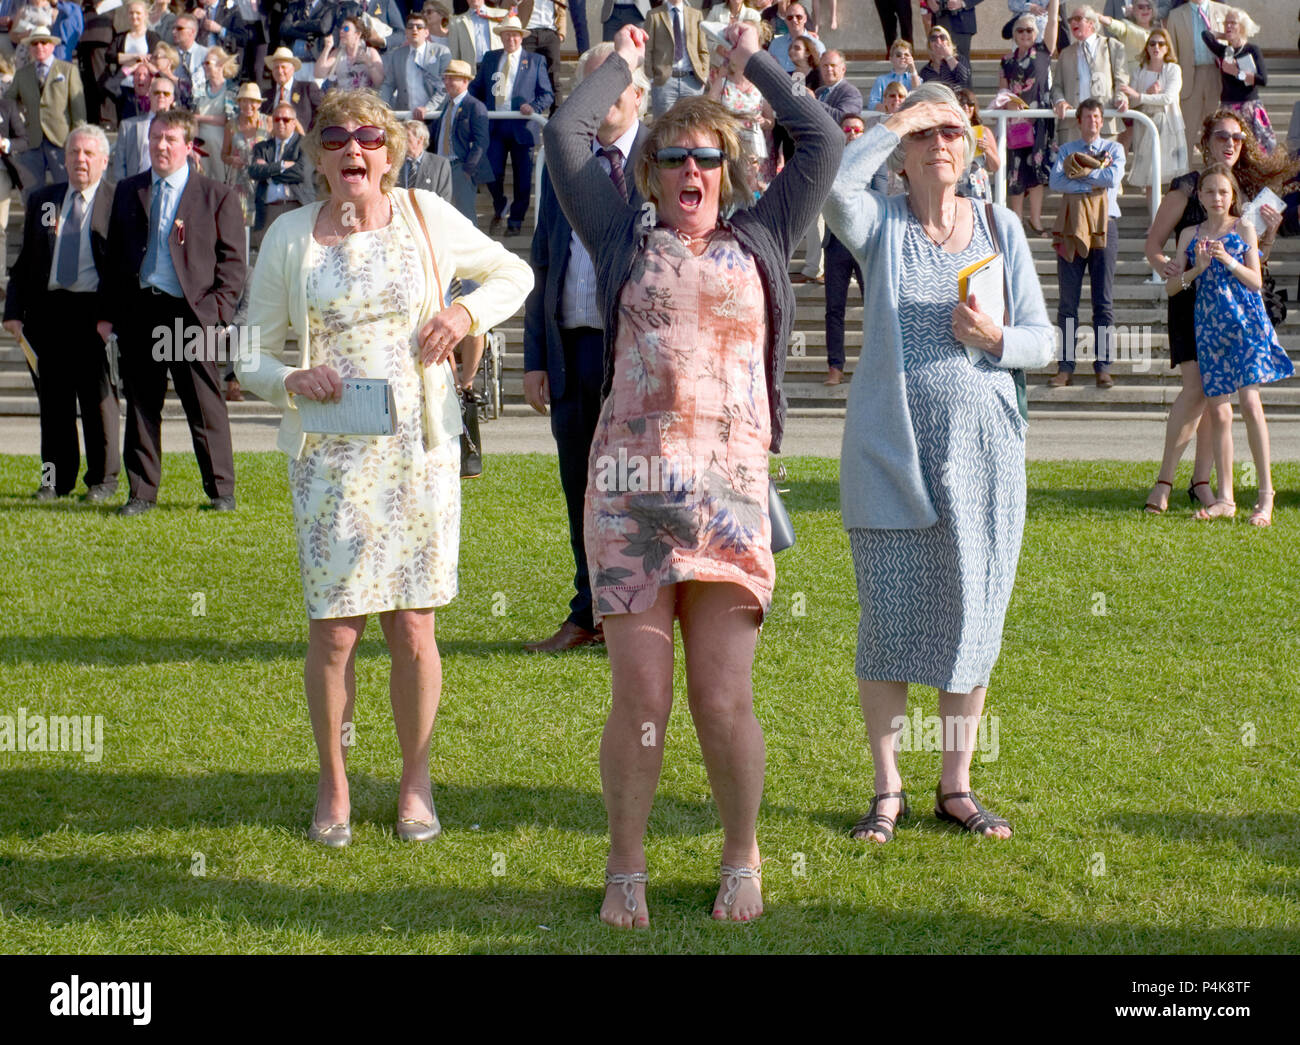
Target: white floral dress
377	517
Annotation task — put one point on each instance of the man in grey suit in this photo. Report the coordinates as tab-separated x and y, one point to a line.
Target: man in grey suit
422	169
563	343
839	96
614	15
131	153
413	71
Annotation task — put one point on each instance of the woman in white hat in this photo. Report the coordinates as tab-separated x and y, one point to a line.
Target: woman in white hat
242	134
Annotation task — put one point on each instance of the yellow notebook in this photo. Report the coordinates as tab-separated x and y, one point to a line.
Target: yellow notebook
984	279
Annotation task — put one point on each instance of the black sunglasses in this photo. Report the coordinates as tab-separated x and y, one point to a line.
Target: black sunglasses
333	138
707	159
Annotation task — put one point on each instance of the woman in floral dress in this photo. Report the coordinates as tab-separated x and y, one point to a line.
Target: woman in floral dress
242	134
1031	144
698	310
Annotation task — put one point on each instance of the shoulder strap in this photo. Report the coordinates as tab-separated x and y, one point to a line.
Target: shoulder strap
428	242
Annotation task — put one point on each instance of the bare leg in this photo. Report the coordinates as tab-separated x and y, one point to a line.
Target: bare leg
1017	205
1218	414
631	748
414	688
955	777
1184	420
720	633
1252	412
884	706
1036	206
331	683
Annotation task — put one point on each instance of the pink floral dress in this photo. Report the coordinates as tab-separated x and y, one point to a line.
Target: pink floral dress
678	476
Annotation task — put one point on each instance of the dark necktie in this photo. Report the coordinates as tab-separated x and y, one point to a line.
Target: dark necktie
42	71
679	39
615	159
70	245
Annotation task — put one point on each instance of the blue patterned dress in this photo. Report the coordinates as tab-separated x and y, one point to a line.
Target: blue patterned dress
1236	344
933	600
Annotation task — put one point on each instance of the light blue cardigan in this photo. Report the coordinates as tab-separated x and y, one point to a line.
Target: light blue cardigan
881	486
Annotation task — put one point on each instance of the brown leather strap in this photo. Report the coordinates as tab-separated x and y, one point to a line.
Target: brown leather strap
433	260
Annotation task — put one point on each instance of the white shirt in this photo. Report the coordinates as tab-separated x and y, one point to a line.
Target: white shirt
87	275
506	90
578	305
278	192
481	31
543	16
415	63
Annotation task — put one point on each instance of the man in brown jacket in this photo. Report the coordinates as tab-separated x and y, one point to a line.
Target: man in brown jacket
676	54
50	95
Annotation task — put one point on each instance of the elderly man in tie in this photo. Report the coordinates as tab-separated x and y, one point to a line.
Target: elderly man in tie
1091	67
50	95
176	270
564	351
52	301
676	54
512	80
278	169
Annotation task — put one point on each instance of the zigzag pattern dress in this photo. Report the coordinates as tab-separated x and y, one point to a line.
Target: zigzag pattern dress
933	600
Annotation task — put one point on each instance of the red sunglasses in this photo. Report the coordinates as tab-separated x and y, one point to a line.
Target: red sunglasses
334	138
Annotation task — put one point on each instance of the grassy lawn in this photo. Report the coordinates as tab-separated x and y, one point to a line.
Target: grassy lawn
1147	744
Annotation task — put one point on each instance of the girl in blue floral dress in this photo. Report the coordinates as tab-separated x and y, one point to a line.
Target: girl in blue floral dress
1236	345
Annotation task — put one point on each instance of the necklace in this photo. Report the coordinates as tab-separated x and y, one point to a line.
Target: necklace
346	228
687	239
938	242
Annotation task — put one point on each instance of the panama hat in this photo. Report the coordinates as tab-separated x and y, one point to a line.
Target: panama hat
283	54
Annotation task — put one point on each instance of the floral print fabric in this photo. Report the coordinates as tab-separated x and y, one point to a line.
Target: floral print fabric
377	517
677	485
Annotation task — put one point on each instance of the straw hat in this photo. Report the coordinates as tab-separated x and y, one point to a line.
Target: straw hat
42	35
510	24
250	90
458	67
283	54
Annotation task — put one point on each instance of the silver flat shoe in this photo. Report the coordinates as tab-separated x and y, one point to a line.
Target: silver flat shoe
336	836
409	829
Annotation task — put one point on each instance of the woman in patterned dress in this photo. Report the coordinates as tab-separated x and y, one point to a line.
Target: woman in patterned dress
377	517
215	107
354	64
1236	344
241	134
932	472
698	309
1031	144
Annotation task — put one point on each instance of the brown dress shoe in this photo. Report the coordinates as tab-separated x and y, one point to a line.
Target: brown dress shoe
1104	380
1060	379
834	376
570	636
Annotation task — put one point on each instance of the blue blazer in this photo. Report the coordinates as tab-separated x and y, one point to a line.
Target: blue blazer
469	138
532	85
552	241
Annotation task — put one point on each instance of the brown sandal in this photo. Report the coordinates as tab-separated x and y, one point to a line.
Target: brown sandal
879	823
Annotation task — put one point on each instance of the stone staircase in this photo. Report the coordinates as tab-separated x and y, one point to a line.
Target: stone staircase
1145	385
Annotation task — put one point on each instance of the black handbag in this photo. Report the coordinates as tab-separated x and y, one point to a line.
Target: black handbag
471	447
1274	299
782	528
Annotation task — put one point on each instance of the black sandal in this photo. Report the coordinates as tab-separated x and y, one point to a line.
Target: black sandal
878	822
978	822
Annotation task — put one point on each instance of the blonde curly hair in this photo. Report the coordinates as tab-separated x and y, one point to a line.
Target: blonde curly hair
367	109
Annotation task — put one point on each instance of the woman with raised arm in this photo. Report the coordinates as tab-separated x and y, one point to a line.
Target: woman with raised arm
932	471
698	310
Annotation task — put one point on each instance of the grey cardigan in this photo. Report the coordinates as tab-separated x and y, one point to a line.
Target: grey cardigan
614	235
881	486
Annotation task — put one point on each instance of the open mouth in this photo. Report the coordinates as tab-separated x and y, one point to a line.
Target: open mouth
690	198
353	175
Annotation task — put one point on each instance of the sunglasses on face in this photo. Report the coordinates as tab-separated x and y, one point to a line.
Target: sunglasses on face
284	119
334	138
796	18
948	133
707	159
345	29
853	132
1228	136
1027	29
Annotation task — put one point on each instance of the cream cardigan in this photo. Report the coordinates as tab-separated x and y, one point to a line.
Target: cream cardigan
278	301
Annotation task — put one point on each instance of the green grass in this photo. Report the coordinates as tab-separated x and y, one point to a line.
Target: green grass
1121	741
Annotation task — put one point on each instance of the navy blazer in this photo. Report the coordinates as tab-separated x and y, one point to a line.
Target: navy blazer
532	85
29	284
543	349
263	170
469	138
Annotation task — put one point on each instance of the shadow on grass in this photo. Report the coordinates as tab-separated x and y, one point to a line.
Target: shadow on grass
1271	836
134	650
76	892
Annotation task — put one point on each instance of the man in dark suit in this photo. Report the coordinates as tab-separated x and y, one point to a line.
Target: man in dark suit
413	71
277	167
563	342
422	169
839	96
512	80
303	95
13	143
176	269
49	93
461	135
52	301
